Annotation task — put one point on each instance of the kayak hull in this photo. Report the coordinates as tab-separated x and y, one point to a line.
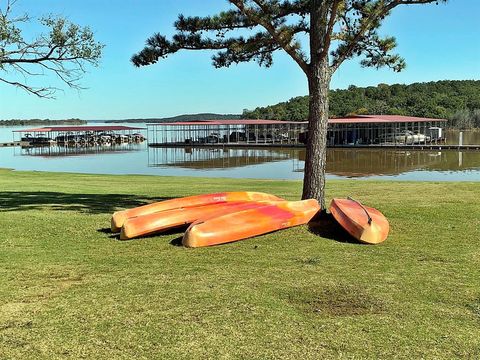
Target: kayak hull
120	217
249	223
168	219
352	216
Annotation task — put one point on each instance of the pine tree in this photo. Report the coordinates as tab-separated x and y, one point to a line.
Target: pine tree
337	30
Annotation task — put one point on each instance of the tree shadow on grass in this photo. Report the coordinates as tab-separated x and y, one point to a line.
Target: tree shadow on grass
327	227
84	203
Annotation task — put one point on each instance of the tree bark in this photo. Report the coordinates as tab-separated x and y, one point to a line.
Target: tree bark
319	75
316	156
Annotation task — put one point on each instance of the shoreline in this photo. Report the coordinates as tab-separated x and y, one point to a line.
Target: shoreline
232	179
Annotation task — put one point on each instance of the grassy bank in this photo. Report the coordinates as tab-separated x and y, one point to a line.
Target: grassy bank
69	290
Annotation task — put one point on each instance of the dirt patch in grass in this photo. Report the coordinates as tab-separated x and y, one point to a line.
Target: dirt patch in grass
337	300
47	283
433	259
312	261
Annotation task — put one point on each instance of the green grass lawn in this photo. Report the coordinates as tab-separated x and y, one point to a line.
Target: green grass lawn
70	290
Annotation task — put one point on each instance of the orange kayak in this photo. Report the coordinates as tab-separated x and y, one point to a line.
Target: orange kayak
119	217
366	224
248	223
168	219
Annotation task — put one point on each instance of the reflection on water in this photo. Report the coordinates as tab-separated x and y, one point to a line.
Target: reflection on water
345	162
205	158
57	150
340	162
470	137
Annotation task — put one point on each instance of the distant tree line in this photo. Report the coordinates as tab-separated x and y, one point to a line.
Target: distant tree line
43	122
457	101
184	117
465	119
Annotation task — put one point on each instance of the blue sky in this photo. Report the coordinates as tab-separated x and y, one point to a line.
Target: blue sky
438	42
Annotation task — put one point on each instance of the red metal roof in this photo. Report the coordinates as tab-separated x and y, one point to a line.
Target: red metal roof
359	119
80	128
229	122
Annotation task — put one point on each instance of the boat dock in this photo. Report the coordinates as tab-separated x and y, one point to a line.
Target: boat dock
77	136
356	131
13	143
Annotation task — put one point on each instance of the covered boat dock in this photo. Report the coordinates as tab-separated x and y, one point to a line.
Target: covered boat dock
75	136
360	131
386	130
222	132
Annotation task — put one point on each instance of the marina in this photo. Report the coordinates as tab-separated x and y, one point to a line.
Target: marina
444	161
354	131
78	136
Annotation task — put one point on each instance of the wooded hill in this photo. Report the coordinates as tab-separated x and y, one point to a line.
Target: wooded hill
458	101
185	117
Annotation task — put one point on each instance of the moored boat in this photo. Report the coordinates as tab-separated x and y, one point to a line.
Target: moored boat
168	219
366	224
248	223
120	217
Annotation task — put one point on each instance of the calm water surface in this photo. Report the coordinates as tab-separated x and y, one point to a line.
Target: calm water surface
249	163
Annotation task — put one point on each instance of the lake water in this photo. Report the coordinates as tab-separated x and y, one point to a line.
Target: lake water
248	163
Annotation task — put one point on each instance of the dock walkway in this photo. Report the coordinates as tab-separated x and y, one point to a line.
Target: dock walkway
278	145
13	143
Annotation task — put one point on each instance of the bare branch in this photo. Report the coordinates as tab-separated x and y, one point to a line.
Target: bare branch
45	92
63	51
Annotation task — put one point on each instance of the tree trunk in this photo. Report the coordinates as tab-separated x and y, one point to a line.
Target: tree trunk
316	157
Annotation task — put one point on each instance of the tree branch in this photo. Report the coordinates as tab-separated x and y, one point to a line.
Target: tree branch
331	23
46	93
369	23
63	51
281	39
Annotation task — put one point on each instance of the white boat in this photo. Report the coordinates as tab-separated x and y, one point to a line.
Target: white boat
406	137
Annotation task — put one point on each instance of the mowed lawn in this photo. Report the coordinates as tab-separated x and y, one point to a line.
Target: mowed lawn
68	289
